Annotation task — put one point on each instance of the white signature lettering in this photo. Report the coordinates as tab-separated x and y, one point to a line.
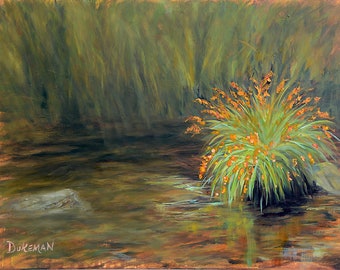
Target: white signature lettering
26	247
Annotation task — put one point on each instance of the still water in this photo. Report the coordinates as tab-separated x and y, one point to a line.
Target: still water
147	210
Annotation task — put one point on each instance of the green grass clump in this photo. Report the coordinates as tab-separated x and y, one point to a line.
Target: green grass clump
262	144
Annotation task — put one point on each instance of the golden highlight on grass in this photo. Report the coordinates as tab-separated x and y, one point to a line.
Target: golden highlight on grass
124	63
262	143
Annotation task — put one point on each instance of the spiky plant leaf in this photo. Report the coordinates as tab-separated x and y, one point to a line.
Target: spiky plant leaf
263	144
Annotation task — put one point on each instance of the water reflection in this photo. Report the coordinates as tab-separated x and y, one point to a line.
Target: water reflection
147	211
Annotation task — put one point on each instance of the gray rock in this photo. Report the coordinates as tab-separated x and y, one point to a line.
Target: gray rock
327	176
48	203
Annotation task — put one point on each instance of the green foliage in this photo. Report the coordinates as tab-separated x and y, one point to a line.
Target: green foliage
262	145
128	64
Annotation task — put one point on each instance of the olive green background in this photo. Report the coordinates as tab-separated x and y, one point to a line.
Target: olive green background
122	67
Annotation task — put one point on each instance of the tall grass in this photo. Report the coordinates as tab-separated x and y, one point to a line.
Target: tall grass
123	65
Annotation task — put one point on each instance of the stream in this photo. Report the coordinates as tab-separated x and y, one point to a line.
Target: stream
147	209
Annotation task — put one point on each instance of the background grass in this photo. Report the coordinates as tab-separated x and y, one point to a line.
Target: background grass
121	66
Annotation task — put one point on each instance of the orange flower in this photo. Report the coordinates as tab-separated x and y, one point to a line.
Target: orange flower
296	90
288	177
233	94
280	87
220	92
307	100
267	77
234	158
200	176
290	105
311	159
234	85
301	111
328	135
213	113
234	104
266	94
202	101
322	114
194	129
233	137
214	97
250	170
197	119
253	138
273	157
235	169
290	96
240	92
295	163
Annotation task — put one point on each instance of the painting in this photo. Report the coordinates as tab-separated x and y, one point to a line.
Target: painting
169	134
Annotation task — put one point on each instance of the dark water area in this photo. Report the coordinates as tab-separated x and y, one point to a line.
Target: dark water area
145	208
